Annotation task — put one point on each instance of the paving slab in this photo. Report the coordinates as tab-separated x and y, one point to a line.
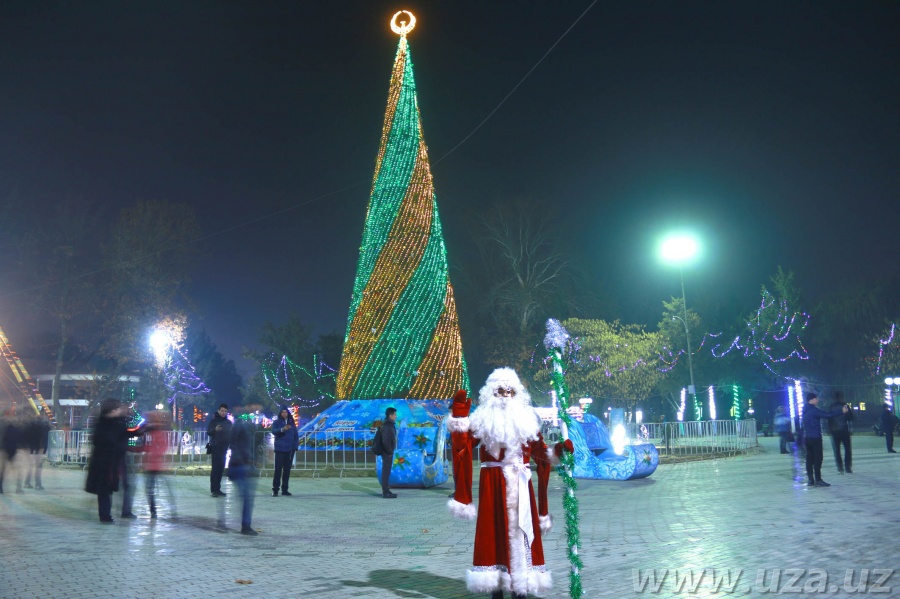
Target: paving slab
679	533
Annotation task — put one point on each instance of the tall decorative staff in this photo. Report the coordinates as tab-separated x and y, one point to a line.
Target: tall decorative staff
555	341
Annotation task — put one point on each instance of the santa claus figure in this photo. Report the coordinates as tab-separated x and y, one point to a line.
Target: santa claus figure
509	554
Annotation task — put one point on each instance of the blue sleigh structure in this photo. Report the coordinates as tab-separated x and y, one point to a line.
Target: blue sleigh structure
595	457
350	425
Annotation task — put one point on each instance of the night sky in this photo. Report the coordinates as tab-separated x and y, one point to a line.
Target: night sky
771	129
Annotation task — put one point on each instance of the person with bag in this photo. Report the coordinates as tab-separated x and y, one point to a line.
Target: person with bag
219	432
385	444
286	439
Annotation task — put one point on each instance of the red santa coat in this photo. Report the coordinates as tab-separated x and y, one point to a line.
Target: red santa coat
509	554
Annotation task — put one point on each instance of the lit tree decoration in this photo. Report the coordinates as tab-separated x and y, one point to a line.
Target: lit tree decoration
556	339
771	334
180	378
883	343
178	374
284	379
402	337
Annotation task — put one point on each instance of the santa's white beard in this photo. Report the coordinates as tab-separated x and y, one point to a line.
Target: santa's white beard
509	426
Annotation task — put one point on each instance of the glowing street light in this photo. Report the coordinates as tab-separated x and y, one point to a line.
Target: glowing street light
679	250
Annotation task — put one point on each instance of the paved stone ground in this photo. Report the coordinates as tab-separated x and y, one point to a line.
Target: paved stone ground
339	538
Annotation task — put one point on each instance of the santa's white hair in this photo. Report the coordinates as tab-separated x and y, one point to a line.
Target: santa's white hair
504	421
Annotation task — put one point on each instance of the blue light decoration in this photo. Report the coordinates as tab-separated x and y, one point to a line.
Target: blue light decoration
350	425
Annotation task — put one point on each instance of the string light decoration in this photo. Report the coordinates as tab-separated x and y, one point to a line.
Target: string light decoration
736	402
284	378
555	341
881	345
712	403
180	378
683	406
198	415
402	339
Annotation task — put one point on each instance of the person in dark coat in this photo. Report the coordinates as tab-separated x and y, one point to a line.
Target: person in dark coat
11	434
839	427
240	468
286	439
387	443
812	435
219	432
110	438
783	428
37	433
888	420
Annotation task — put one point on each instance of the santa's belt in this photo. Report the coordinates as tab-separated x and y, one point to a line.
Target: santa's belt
523	472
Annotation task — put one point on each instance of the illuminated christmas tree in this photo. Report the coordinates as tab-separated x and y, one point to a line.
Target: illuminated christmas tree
402	337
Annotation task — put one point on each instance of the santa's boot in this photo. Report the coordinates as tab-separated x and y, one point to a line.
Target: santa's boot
497	595
518	596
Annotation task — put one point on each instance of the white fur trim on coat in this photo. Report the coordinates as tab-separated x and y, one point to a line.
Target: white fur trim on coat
457	425
487	581
463	511
551	456
546	523
538	582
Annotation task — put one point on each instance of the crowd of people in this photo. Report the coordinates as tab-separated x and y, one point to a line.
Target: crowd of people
809	434
22	450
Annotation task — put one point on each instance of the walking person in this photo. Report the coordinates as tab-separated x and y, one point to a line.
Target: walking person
286	438
10	436
888	420
240	468
839	426
37	437
384	445
110	436
219	433
812	435
783	428
156	442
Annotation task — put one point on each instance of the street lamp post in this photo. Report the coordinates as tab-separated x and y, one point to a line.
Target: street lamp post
677	250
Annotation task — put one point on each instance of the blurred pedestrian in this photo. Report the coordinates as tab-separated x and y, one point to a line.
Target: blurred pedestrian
839	426
385	444
219	433
11	433
156	442
783	428
286	438
110	437
888	421
812	434
36	437
240	468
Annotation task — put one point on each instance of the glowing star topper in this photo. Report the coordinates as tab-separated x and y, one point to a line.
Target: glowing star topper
404	26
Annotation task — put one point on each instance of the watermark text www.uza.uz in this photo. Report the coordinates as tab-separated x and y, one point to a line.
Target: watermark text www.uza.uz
775	581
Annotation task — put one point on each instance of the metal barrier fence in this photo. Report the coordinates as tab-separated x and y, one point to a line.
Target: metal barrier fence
349	450
696	438
183	448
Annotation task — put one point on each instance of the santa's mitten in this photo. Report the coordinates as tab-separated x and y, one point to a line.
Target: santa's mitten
463	511
546	523
461	405
566	446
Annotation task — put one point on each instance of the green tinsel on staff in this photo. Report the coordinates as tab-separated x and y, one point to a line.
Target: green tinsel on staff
554	341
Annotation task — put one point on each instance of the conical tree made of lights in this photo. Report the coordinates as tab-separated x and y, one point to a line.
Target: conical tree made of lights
402	337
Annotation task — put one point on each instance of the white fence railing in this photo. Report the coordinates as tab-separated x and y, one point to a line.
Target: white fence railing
696	438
